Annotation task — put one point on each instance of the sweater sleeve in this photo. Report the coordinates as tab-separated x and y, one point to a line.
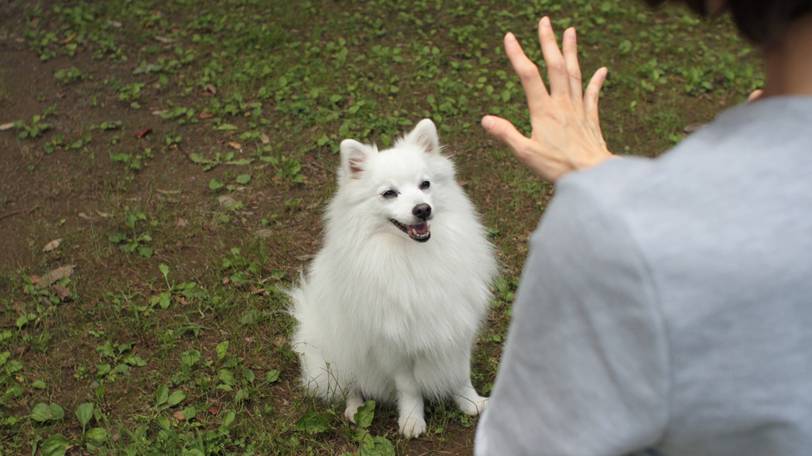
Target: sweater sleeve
585	369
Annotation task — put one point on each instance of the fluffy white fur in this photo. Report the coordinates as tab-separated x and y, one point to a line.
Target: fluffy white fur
381	315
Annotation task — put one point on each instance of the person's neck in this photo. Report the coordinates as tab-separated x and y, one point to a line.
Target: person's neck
789	62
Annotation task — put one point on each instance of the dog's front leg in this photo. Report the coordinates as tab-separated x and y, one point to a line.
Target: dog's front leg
410	405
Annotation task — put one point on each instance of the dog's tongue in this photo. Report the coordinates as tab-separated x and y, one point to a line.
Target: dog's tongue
419	229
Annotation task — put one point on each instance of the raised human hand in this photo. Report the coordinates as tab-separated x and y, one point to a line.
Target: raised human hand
566	132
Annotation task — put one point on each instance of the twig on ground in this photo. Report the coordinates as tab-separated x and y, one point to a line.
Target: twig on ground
21	211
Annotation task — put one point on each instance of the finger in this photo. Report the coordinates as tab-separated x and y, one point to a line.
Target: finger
593	92
505	132
571	60
556	67
755	95
528	72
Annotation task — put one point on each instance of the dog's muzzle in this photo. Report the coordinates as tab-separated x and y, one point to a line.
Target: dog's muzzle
419	232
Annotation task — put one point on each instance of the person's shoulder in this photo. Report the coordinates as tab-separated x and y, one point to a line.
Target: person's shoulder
607	185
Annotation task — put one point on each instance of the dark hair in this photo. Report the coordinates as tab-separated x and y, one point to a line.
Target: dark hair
761	21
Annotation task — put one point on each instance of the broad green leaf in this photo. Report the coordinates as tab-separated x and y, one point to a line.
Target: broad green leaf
226	127
145	251
199	159
189	358
14	366
84	413
56	411
228	418
135	360
165	299
313	423
377	446
103	369
243	179
55	445
365	414
189	412
272	376
164	269
161	395
97	435
222	349
215	185
240	162
175	398
41	413
226	376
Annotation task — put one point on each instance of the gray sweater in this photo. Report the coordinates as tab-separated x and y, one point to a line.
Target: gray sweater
668	303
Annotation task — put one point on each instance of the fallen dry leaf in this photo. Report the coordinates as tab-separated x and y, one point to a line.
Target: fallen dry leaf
235	145
53	245
54	275
6	126
214	409
264	138
205	115
179	415
280	341
210	89
141	133
181	223
61	291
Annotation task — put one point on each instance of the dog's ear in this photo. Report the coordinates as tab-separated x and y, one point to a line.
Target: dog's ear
353	157
425	136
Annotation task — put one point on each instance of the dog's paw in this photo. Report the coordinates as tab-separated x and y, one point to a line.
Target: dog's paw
354	402
472	407
412	426
349	412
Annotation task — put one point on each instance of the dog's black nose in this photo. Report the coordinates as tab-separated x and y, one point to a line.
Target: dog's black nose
422	211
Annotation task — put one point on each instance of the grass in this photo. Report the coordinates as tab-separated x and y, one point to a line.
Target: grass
183	152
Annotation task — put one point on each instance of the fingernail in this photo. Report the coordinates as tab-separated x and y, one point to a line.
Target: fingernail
545	20
487	121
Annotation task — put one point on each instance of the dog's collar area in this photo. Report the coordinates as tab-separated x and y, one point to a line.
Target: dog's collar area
419	232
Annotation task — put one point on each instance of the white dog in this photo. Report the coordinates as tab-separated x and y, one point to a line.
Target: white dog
391	304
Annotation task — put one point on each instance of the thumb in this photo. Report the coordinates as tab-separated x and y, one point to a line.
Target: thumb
504	131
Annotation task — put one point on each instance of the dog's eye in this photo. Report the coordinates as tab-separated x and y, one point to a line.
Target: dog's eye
389	194
425	185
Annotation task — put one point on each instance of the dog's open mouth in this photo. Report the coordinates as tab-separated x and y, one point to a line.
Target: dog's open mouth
419	232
